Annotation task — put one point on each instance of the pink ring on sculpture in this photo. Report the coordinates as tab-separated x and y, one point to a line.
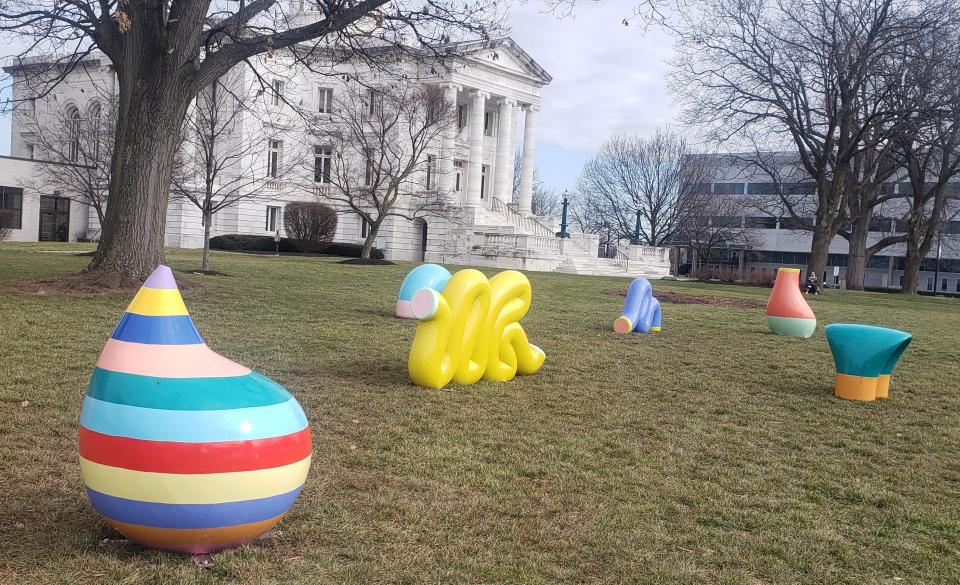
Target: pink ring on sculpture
167	361
405	310
425	303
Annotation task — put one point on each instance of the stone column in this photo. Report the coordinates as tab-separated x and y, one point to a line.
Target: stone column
448	145
525	199
503	184
477	105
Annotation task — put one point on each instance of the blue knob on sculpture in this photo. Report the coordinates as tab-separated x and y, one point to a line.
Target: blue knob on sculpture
432	276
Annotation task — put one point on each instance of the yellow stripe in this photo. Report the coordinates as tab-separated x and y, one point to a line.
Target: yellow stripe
855	387
157	302
200	488
789	269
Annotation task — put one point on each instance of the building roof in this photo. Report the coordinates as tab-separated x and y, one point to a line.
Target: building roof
532	67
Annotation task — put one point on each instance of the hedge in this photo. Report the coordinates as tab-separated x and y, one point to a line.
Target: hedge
251	243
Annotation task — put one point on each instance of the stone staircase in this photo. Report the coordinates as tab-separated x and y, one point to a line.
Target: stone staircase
500	237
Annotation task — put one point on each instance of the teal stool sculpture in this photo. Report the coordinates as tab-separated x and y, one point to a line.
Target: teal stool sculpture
865	356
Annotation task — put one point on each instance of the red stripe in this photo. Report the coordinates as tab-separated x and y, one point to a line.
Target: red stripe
173	457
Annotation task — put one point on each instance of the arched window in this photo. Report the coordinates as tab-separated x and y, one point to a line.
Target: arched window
95	129
73	134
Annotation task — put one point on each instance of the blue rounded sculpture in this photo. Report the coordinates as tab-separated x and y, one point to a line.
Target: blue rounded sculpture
641	311
432	276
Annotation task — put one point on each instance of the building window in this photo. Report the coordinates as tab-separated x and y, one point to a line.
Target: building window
30	151
763	223
431	170
929	283
273	219
364	227
958	285
943	284
11	207
461	117
483	181
325	100
73	129
487	124
374	100
458	169
368	170
322	159
728	188
276	94
274	158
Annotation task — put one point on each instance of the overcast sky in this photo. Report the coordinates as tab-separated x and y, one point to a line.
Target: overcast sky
607	78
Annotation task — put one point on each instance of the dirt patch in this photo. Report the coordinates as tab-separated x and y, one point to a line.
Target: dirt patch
83	284
679	298
367	261
204	272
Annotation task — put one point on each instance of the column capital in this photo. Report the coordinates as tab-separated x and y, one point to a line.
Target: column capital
510	102
479	93
449	85
535	108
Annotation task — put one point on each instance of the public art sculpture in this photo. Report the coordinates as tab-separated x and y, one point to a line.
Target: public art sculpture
865	356
472	331
181	448
641	311
787	311
431	276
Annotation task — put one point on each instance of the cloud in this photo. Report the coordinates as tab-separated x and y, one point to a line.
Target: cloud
607	78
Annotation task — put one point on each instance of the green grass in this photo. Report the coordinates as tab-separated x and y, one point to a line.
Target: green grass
713	452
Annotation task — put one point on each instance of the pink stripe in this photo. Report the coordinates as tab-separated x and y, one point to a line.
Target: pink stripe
167	361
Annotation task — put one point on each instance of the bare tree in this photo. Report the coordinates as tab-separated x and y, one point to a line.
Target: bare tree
929	145
545	202
812	71
718	224
82	142
374	154
311	225
657	178
216	164
165	52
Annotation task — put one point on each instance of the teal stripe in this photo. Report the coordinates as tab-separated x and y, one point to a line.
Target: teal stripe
220	393
792	326
192	426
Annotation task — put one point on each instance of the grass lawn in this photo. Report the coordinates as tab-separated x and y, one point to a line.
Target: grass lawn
713	452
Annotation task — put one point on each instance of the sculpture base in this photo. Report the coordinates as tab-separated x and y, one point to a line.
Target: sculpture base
792	326
860	388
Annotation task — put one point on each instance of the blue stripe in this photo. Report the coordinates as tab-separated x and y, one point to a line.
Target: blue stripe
163	330
191	515
192	426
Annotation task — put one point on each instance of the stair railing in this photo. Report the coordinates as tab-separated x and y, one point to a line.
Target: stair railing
528	224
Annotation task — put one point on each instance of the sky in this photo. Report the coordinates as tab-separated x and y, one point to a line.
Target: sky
607	78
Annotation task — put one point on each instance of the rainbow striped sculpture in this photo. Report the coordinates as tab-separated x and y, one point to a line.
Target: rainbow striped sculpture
787	312
181	448
864	356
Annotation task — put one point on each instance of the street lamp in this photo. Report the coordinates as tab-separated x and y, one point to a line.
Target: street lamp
635	241
563	233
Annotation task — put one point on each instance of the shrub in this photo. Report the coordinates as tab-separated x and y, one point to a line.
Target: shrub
252	243
311	226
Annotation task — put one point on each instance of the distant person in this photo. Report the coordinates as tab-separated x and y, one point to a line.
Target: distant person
813	287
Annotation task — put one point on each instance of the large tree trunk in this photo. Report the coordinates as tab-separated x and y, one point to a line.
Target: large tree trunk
857	253
205	262
911	269
152	106
819	250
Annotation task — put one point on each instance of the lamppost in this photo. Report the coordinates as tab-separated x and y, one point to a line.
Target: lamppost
936	278
635	241
563	233
276	242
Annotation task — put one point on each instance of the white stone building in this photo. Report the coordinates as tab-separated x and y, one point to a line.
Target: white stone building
497	90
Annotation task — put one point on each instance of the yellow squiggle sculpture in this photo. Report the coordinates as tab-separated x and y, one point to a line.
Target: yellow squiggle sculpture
472	331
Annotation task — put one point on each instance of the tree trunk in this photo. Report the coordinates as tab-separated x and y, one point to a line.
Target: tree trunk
205	263
819	250
911	269
371	239
152	107
857	253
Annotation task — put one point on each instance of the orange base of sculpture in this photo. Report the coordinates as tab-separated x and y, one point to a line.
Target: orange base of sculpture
862	388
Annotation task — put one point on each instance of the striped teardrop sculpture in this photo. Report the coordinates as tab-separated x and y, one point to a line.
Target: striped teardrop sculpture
181	448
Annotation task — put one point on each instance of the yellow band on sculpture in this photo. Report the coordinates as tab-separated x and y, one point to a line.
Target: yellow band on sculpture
200	488
855	387
157	302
